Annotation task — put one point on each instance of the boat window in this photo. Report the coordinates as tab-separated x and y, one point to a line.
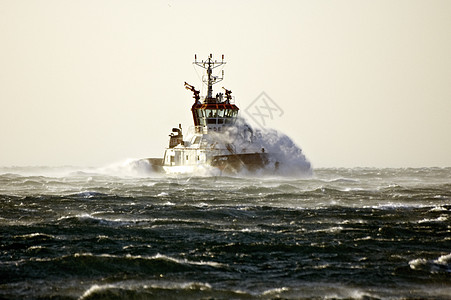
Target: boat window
230	113
196	140
220	121
211	121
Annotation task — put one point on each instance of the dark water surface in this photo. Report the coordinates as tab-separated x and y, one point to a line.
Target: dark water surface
344	233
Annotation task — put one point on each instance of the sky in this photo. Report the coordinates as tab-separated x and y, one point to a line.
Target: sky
356	83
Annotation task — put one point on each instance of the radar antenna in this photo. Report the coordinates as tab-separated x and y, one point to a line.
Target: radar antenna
209	65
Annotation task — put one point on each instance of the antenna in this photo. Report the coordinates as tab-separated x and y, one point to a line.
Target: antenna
209	65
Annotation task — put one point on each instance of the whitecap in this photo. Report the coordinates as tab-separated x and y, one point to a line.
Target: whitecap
131	167
34	248
275	291
188	262
441	218
35	234
96	288
438	208
333	229
443	260
417	263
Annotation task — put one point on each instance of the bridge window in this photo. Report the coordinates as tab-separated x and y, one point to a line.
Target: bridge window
215	116
196	140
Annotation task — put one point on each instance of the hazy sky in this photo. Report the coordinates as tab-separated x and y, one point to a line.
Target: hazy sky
360	83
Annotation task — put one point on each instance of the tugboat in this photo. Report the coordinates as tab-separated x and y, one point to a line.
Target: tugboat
208	144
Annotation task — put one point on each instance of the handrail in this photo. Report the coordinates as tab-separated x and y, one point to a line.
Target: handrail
197	129
231	101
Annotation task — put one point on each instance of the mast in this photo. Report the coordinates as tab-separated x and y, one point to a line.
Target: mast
209	65
213	112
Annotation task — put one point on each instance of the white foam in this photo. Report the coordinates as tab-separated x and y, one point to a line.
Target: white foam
417	263
438	208
332	229
442	263
286	158
36	234
441	218
275	291
130	167
188	262
96	288
443	260
150	284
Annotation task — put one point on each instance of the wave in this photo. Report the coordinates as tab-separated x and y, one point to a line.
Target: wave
126	168
89	220
36	236
160	289
285	157
129	168
440	265
441	218
88	264
88	195
201	290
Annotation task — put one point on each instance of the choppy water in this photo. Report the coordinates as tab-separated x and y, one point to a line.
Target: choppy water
343	233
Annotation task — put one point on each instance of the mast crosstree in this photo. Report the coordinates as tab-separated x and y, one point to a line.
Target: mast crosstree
211	79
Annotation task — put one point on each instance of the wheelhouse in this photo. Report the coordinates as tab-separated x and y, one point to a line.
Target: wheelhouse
214	116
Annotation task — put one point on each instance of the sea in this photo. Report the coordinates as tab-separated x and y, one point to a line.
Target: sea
125	233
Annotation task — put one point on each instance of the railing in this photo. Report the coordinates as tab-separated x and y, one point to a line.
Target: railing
197	129
231	101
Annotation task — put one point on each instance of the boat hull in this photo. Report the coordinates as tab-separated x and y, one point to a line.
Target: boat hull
227	164
234	163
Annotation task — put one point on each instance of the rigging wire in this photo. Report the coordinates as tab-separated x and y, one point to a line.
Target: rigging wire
202	84
200	80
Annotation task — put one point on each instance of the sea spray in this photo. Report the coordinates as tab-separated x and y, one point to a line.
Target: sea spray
285	157
130	167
